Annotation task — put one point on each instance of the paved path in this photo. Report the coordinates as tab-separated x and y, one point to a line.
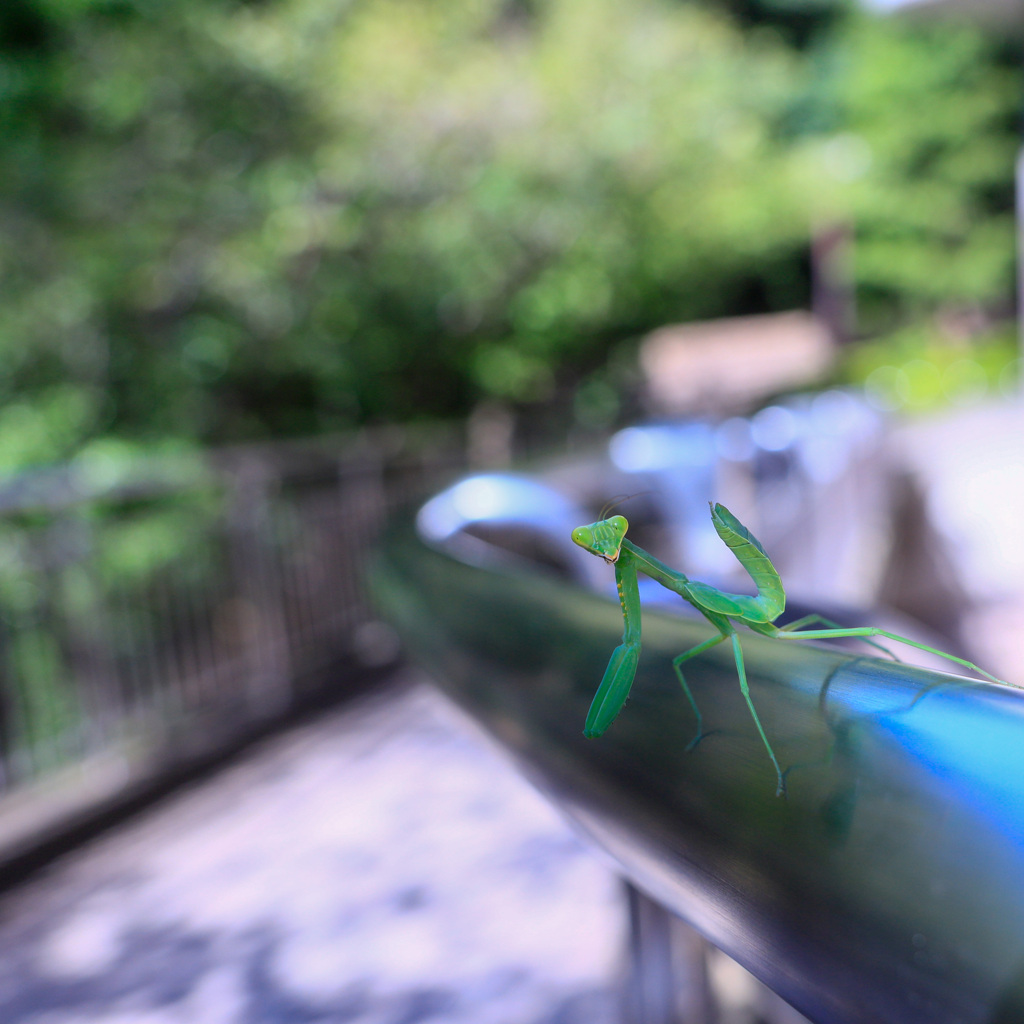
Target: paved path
379	866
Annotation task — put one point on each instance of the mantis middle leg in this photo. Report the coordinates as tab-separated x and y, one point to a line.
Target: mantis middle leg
867	631
705	645
780	789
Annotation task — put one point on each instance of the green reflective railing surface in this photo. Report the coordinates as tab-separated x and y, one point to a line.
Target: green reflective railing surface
887	887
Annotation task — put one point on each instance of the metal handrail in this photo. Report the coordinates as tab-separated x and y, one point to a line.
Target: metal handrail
887	887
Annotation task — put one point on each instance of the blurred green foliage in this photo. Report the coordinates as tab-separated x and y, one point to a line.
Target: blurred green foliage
919	369
936	118
226	220
92	585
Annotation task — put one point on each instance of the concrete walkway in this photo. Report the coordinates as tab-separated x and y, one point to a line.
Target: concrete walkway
379	866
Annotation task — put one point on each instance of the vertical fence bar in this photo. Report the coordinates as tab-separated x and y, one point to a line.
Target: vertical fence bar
164	610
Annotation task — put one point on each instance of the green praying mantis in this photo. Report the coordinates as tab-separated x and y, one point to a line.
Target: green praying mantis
607	539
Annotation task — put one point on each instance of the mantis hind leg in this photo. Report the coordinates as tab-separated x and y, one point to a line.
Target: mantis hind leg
780	789
808	619
866	631
676	663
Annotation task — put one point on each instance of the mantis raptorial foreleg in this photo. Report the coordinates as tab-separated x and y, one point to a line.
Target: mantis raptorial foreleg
614	688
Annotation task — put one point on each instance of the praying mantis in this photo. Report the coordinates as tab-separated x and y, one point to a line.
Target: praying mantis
607	539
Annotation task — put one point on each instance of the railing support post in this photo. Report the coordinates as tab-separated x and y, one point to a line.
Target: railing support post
667	978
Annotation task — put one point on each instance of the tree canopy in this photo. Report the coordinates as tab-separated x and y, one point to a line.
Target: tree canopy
227	220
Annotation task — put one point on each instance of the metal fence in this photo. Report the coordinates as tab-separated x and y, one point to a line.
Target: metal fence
151	612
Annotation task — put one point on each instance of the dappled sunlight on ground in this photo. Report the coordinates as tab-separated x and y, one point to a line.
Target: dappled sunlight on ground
378	865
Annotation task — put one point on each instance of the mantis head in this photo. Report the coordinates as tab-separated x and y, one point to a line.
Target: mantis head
603	538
